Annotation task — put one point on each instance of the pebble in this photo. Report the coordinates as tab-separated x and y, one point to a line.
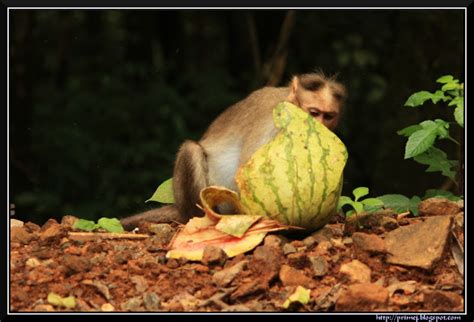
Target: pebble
20	235
273	241
16	223
133	304
52	232
363	298
107	307
288	249
369	242
319	265
443	301
291	276
164	232
357	271
151	301
266	261
439	207
224	277
213	255
76	264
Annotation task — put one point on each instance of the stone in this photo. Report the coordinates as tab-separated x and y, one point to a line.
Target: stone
107	307
319	265
273	241
213	255
76	264
151	301
16	223
43	308
310	241
408	287
291	276
163	232
443	301
298	260
52	231
439	207
388	223
369	242
32	227
20	235
255	286
224	277
32	262
288	249
140	282
420	244
363	297
68	221
357	271
133	304
323	248
266	262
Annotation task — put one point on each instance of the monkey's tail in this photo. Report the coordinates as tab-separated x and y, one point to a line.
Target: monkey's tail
163	214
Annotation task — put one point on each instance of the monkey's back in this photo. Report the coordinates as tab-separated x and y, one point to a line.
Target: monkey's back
249	113
238	132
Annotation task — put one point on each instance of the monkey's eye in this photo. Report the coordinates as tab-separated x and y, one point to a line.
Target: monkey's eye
314	112
328	117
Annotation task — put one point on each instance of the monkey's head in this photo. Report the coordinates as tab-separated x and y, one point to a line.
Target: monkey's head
321	97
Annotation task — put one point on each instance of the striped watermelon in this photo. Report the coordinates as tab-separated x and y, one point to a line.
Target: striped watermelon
297	177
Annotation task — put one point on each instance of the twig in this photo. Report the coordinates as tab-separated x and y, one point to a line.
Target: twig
82	236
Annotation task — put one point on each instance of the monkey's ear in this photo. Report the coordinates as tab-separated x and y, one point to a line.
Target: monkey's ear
292	97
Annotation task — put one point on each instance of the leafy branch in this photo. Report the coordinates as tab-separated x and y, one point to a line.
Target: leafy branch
422	136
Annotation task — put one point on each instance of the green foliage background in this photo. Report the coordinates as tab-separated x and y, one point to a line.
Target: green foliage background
100	100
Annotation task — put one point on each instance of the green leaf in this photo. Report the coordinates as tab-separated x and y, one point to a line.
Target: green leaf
164	193
418	98
87	225
432	193
420	141
409	130
372	204
458	101
112	225
55	299
444	79
343	200
413	206
350	213
459	115
360	192
442	128
301	295
437	160
358	207
439	95
449	86
397	202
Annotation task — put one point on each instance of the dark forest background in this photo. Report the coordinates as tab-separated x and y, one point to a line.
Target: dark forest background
100	100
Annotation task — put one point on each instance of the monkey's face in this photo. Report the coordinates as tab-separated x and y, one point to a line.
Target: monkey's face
322	105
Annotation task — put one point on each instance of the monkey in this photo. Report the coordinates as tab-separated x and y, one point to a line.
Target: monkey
235	135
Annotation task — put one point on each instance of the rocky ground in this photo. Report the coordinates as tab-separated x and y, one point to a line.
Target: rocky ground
381	262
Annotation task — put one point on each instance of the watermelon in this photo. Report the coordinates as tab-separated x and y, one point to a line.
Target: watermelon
297	177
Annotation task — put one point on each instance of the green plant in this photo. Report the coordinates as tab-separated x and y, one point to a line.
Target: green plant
164	192
422	136
112	225
368	204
